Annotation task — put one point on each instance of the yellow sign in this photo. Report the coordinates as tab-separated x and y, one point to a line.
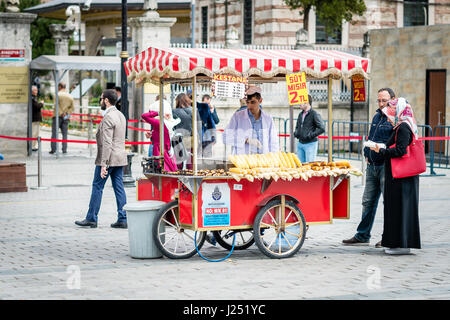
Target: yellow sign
297	91
14	85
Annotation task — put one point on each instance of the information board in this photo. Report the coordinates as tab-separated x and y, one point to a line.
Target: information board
216	204
14	85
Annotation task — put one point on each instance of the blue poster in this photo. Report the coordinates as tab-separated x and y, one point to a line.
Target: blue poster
216	204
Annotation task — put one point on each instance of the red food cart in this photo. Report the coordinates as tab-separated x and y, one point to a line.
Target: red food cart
273	214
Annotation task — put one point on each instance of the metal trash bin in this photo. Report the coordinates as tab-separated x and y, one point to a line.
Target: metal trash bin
141	216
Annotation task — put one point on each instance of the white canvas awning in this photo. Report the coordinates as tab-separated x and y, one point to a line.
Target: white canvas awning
62	63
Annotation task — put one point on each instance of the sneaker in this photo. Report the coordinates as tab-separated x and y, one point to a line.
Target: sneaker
378	244
397	251
355	242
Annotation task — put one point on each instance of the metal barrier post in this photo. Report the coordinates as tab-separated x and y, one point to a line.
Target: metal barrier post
39	187
431	150
90	127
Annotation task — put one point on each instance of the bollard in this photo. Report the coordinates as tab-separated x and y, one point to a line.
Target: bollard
39	187
128	180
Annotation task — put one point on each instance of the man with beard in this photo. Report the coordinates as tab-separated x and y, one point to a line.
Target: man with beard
111	158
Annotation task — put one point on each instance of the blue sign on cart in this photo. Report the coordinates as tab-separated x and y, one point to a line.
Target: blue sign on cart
216	204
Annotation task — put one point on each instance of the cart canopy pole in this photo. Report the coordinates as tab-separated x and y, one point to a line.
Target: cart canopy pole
194	124
291	129
161	123
330	119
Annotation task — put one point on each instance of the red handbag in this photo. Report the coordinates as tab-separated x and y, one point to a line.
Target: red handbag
410	164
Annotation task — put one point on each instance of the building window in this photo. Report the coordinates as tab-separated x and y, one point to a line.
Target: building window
325	38
248	21
205	24
415	13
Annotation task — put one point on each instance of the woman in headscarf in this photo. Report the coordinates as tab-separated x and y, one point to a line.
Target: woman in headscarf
401	195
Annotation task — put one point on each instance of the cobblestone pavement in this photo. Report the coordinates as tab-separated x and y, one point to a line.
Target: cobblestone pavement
42	250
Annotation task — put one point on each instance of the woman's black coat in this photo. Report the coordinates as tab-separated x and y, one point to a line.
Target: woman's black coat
401	196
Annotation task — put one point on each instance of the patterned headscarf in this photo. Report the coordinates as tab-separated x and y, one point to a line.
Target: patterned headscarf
400	111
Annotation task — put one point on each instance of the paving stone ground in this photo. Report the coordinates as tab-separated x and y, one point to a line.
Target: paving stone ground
42	251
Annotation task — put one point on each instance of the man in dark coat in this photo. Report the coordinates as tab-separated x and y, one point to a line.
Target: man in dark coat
36	115
119	98
309	127
380	131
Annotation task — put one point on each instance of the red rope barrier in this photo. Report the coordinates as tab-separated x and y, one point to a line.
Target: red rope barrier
149	142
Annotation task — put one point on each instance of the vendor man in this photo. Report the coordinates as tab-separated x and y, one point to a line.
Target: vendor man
251	130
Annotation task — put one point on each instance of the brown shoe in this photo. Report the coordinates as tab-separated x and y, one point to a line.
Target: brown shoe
378	245
355	242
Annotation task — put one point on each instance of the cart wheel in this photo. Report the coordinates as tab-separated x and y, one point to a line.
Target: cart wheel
244	239
171	239
277	238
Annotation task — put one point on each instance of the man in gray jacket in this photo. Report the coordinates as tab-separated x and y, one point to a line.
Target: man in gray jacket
111	158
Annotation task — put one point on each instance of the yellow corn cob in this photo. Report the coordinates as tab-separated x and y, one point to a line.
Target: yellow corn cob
291	160
237	170
276	160
243	161
233	160
250	161
261	162
296	160
286	159
254	160
283	164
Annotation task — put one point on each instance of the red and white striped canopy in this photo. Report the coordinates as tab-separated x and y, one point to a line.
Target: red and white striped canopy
154	63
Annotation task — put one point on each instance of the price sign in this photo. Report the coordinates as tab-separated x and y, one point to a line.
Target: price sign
229	86
359	89
297	91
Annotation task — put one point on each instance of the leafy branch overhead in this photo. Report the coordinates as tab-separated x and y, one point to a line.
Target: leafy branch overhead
330	12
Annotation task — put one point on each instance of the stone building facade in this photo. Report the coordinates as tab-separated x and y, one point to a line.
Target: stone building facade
403	59
271	22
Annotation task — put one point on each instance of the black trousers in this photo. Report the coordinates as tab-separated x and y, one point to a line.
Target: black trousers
64	126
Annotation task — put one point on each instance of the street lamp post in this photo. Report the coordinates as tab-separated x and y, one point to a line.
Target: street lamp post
128	179
123	59
193	23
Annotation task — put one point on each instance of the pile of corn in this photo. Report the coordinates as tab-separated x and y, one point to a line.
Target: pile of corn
284	165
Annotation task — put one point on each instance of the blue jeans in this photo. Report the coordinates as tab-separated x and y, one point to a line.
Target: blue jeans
307	151
372	191
98	184
150	150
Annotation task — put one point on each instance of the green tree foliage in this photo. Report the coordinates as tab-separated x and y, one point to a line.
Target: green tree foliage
42	39
330	12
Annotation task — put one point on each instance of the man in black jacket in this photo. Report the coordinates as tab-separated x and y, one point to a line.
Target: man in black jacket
380	131
36	115
309	127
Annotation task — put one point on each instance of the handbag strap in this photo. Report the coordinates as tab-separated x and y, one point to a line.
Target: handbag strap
413	140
